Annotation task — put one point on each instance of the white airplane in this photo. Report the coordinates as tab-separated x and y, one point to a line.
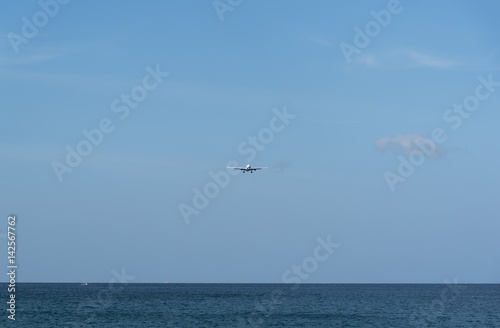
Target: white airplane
247	168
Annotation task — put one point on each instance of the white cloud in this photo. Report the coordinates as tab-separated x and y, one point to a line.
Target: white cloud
431	61
405	144
404	58
320	40
38	54
413	58
367	60
34	58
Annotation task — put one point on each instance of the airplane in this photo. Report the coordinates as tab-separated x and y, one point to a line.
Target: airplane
247	168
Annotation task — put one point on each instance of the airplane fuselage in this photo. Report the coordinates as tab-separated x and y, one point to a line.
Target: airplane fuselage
246	168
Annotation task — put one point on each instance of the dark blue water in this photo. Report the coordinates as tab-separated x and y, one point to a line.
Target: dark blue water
254	305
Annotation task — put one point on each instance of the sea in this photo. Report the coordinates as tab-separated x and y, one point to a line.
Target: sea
252	305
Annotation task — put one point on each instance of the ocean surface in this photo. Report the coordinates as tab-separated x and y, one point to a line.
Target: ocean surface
253	305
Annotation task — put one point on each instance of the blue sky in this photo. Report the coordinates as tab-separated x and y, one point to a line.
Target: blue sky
356	119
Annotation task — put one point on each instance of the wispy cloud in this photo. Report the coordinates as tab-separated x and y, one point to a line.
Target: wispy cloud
431	61
36	55
405	58
366	60
31	59
320	40
406	144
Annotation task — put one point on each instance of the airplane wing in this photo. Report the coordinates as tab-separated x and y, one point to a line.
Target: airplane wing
257	168
246	168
